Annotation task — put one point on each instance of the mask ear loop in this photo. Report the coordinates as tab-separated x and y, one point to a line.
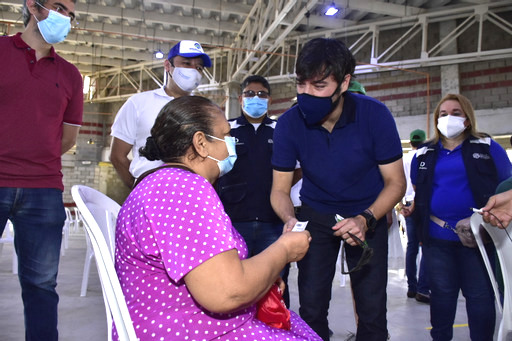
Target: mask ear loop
335	103
169	75
40	6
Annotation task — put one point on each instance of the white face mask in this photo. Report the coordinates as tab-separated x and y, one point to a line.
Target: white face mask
451	126
186	79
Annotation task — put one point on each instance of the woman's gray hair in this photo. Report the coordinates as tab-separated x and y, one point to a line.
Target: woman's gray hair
174	128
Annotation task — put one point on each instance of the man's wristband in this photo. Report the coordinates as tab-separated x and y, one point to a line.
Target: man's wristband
371	222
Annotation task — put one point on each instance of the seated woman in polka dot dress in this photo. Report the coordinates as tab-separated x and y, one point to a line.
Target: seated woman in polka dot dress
182	266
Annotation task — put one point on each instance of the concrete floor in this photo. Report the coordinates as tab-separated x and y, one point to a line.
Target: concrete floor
83	318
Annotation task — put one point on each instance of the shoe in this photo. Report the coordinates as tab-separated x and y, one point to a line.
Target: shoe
411	294
422	298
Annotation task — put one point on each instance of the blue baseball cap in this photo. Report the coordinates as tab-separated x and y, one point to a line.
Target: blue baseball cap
189	49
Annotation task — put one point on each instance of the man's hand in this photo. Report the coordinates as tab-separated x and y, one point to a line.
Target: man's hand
407	210
500	205
355	225
290	223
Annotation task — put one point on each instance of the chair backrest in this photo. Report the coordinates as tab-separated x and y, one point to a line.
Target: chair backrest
77	220
99	213
104	211
69	217
502	239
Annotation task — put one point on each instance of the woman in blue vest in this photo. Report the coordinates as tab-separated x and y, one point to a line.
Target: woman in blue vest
458	169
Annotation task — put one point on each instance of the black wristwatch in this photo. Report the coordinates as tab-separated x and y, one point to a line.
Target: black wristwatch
371	222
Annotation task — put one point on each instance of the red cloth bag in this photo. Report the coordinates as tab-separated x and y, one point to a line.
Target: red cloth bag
272	310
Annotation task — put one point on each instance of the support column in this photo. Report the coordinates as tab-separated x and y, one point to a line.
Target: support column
449	73
232	90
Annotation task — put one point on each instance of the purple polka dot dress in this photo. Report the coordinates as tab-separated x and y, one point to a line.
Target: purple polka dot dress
172	222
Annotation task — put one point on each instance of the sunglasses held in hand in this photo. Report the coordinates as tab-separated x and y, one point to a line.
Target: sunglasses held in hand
365	256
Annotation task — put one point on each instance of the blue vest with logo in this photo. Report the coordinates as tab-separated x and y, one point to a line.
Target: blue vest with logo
480	169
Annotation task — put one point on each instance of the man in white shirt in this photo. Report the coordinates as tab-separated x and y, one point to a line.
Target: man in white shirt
184	67
417	285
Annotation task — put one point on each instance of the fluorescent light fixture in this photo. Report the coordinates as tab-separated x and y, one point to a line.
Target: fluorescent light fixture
87	84
159	54
331	10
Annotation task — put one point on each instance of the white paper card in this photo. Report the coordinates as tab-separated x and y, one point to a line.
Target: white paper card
300	226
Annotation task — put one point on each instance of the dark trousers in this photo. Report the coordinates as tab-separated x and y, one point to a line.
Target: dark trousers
258	236
453	267
38	216
415	282
316	272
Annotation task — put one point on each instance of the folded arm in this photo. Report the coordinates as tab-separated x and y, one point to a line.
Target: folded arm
224	283
69	135
119	158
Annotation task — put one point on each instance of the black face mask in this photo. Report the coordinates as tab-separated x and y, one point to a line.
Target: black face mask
314	108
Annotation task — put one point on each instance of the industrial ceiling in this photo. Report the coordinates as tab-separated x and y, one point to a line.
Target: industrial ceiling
116	36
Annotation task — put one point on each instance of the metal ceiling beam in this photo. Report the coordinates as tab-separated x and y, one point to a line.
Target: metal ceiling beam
270	17
269	41
282	36
123	39
384	8
235	8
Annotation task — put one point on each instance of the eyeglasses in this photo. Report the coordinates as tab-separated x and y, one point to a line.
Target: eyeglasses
365	257
61	10
260	94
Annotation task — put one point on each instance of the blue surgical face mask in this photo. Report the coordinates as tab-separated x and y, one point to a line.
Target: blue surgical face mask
55	27
315	109
227	164
255	107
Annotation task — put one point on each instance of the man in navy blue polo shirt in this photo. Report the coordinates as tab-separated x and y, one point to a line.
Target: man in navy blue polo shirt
245	190
350	153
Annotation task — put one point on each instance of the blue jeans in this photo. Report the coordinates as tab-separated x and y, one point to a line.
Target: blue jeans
453	267
316	273
38	216
258	236
415	284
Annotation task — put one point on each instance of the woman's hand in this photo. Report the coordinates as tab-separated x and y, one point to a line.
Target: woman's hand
500	205
224	283
281	284
296	244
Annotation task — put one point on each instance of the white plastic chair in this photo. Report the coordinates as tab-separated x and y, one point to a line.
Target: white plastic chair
77	220
65	231
8	238
99	213
89	254
503	243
